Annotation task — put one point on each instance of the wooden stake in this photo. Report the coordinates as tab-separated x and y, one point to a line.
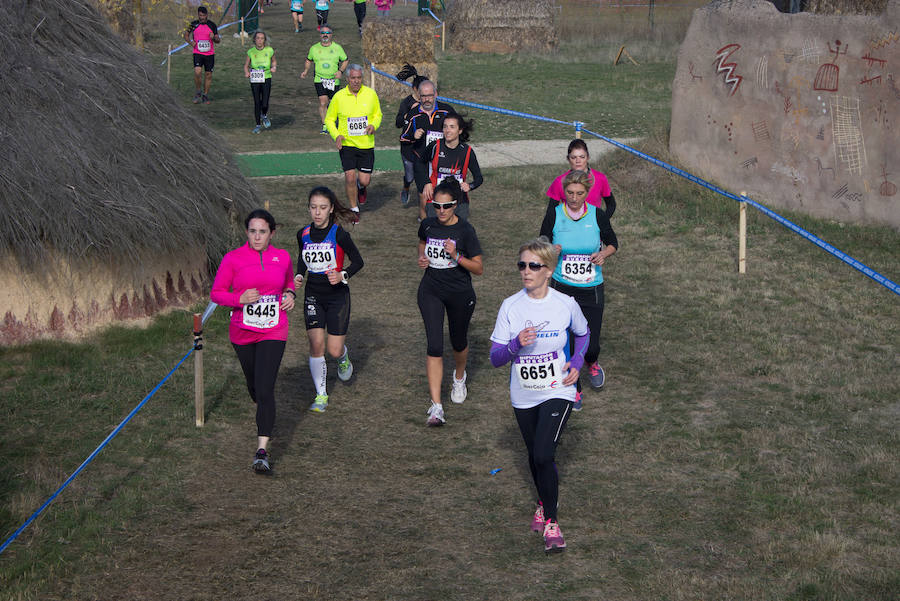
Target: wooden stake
244	33
742	235
169	65
266	205
198	371
625	52
443	36
372	79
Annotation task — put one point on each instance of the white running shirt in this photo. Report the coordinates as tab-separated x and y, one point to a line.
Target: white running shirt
551	316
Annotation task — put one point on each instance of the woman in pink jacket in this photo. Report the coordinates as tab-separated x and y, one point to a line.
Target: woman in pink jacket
257	282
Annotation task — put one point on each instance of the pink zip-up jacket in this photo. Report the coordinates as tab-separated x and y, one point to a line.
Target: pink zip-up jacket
270	271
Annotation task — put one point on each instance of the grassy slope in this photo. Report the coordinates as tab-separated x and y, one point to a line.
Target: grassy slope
743	448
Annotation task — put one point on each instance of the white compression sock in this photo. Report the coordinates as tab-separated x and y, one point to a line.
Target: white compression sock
319	370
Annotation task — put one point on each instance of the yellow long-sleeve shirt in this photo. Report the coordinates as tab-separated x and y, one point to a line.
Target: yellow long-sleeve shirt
353	112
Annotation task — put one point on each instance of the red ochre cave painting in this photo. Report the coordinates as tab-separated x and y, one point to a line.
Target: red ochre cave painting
723	54
729	128
828	74
887	188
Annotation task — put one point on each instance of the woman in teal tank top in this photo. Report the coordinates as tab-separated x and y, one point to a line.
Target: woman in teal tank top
585	239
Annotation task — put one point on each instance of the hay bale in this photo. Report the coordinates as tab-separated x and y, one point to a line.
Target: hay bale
400	41
517	24
388	89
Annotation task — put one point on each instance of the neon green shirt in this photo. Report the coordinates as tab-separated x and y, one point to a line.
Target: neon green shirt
262	59
327	59
354	112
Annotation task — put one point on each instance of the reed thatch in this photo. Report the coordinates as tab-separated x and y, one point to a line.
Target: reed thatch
515	24
845	7
388	89
102	166
399	41
100	161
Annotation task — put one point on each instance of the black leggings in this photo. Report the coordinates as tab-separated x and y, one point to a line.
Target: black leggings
360	9
261	93
541	427
260	362
459	307
322	17
591	302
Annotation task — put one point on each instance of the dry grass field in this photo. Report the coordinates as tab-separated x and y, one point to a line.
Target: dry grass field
745	446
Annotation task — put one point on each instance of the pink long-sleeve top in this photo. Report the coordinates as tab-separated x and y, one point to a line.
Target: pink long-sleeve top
271	272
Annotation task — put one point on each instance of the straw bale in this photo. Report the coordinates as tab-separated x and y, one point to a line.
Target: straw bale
399	40
501	25
502	40
388	89
500	13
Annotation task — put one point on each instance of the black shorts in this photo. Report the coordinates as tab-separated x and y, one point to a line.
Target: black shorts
207	61
362	159
323	91
330	310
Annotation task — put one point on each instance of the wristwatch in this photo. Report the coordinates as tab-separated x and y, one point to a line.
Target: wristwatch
344	278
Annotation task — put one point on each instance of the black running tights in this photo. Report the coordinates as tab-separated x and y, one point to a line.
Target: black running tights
260	362
261	93
459	307
541	427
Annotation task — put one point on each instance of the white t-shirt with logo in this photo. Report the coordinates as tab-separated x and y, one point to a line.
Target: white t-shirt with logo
533	373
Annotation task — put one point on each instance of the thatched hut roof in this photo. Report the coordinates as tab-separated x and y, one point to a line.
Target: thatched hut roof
100	161
101	167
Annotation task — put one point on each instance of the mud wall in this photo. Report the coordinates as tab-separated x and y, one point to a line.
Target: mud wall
70	301
801	111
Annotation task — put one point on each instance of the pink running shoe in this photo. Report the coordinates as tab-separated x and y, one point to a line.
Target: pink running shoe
553	538
537	523
576	406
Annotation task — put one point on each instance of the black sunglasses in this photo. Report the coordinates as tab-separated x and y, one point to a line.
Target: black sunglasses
530	265
443	205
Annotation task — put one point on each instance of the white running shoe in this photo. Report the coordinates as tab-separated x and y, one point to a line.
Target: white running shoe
458	390
435	415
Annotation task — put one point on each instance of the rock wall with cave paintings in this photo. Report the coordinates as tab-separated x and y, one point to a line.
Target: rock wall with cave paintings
801	111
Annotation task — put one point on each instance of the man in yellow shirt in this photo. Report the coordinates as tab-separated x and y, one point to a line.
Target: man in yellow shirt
357	112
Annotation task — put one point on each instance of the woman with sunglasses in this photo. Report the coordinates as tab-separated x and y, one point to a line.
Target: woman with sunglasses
330	60
600	194
585	239
533	332
449	252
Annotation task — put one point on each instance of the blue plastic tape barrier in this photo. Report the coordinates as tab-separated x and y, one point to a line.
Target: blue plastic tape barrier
868	271
90	458
174	50
579	126
434	15
483	107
